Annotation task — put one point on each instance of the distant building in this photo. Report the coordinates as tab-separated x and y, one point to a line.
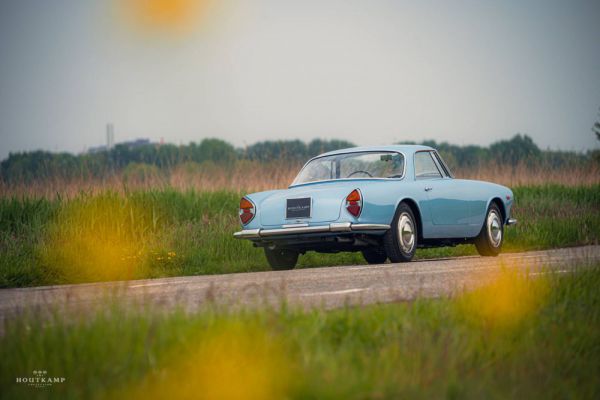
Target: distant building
131	144
97	149
110	142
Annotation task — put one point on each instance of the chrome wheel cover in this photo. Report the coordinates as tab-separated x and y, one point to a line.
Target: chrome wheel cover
406	233
494	228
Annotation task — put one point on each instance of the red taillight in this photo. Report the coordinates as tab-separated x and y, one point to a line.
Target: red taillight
247	211
354	203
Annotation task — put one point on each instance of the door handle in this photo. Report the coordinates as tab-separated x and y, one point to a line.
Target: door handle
427	189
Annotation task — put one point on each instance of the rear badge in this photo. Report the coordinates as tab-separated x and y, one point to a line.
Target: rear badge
298	208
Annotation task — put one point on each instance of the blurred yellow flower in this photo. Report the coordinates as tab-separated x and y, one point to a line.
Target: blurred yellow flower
171	16
231	361
509	298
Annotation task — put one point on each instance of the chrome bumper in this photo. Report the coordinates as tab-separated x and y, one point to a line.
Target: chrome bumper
334	227
511	221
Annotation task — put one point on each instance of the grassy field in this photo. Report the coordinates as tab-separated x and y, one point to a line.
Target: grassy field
516	337
155	233
253	176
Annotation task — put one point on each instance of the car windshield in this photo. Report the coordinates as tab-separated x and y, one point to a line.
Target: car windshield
352	165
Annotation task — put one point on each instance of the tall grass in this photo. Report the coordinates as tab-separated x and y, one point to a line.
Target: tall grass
541	341
156	233
251	176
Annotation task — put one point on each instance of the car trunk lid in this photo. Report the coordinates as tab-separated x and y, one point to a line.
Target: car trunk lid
326	201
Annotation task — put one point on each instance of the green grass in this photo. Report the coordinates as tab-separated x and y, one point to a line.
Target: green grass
542	342
167	233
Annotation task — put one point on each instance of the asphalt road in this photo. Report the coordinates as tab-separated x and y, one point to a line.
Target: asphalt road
328	287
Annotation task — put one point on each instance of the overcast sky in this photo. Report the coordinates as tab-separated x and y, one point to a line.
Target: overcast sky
372	72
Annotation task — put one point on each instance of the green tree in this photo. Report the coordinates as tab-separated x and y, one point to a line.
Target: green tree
269	150
215	150
519	148
319	146
596	127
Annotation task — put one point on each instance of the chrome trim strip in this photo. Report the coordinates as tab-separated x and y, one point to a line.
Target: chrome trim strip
291	231
333	227
294	225
247	234
370	227
340	226
511	221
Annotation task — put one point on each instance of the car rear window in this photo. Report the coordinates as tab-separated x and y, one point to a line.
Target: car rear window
358	165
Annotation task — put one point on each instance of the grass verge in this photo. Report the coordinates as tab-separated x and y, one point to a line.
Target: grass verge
516	337
145	234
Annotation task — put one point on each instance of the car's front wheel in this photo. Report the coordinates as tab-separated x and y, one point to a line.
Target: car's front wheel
400	241
489	241
281	259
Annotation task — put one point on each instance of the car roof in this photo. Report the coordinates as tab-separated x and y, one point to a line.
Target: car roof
403	148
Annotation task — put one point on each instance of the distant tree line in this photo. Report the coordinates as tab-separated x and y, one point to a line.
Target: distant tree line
36	165
518	149
39	165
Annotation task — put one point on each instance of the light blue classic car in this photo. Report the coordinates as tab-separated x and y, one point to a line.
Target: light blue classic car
383	201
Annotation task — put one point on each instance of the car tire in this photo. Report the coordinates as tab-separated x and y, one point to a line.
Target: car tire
400	241
490	239
376	255
281	259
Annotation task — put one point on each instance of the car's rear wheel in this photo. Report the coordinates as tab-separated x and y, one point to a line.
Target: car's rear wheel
490	239
400	241
375	255
281	259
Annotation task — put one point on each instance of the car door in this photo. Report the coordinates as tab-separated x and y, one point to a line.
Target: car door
446	201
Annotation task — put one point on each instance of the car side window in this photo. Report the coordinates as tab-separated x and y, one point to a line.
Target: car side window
425	167
442	165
